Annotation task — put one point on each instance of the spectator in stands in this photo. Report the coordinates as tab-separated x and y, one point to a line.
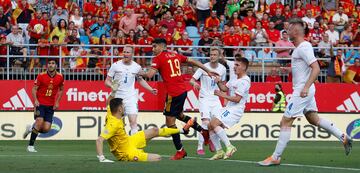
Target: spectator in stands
309	19
22	15
286	28
259	35
76	52
165	35
4	22
129	21
3	52
325	46
178	31
160	9
278	20
37	28
232	39
212	21
351	55
119	40
235	20
98	29
231	7
58	16
287	12
333	35
276	5
205	41
45	6
250	54
352	74
190	14
184	41
340	19
7	7
219	7
283	52
249	21
261	7
202	10
78	20
90	8
299	9
274	34
169	22
335	68
60	31
314	7
346	37
315	34
246	6
16	40
273	76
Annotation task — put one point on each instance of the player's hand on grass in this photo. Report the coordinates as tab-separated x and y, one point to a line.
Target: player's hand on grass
102	159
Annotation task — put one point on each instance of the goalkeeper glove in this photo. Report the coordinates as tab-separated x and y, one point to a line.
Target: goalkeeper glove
103	159
114	87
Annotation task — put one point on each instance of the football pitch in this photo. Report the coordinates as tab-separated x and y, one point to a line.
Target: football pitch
80	156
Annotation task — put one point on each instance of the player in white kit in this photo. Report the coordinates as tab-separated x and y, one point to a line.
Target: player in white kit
238	93
121	79
305	70
208	102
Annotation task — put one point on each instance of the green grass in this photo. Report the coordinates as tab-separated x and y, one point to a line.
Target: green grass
80	156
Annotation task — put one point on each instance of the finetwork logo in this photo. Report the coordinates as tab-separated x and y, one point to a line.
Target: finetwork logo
19	100
350	104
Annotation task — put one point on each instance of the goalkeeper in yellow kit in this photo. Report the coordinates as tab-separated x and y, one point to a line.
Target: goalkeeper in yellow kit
129	148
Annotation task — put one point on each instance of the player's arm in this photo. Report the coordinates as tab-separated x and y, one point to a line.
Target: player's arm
221	84
59	96
144	84
33	92
149	74
113	84
99	150
313	77
200	65
235	98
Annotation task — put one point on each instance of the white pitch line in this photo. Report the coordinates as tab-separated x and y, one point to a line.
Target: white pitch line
198	158
283	164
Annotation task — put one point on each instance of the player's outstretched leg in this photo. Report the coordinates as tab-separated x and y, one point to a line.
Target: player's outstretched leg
215	125
196	126
216	141
28	130
330	127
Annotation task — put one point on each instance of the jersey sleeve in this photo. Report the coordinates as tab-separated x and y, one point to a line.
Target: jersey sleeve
155	63
109	130
37	80
182	58
242	87
198	74
111	71
307	54
223	75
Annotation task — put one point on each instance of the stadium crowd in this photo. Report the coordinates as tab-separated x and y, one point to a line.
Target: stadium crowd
261	23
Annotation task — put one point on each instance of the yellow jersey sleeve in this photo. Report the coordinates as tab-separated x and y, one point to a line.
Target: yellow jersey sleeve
110	129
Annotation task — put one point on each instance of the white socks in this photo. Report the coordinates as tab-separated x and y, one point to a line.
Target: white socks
220	132
215	140
201	141
330	127
282	142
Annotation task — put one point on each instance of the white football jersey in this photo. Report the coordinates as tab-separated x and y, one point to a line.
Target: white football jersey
208	85
240	87
301	59
231	65
126	75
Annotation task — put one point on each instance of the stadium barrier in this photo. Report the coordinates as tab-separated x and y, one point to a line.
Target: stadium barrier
91	95
260	63
252	126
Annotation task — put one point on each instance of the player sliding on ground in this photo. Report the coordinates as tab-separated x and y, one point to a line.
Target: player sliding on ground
305	70
129	148
230	115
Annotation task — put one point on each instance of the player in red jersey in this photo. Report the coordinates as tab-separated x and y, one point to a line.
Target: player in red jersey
168	64
47	93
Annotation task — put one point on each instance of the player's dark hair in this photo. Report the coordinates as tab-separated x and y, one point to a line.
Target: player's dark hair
114	104
159	41
244	61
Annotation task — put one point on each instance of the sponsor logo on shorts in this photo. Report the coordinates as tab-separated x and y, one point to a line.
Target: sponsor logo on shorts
55	128
353	129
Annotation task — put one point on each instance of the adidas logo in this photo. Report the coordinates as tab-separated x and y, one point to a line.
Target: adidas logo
350	104
19	100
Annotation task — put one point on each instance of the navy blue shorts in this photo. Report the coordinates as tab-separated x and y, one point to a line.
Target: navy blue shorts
174	105
46	112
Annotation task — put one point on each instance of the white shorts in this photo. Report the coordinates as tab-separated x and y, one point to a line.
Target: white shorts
228	117
298	106
209	108
131	105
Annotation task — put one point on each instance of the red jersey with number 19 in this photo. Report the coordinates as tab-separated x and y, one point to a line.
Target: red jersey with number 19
168	65
48	87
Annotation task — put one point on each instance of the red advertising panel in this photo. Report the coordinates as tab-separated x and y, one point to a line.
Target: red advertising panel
91	95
